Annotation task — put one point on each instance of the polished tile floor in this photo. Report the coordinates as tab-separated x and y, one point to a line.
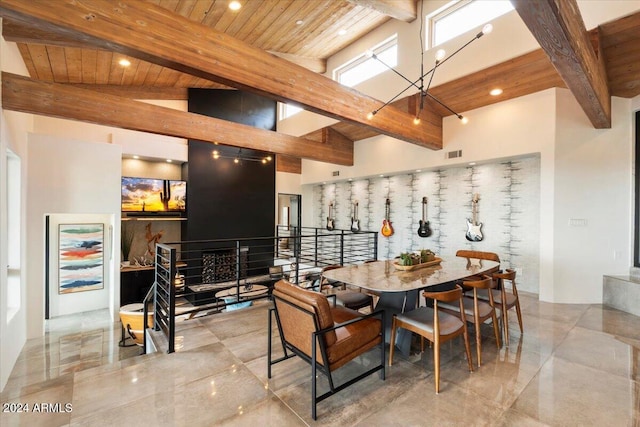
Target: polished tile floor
575	365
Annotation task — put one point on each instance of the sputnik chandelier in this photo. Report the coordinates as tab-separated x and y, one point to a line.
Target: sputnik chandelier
440	59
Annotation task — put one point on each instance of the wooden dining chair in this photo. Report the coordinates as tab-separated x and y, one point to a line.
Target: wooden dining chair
434	325
506	299
476	310
346	297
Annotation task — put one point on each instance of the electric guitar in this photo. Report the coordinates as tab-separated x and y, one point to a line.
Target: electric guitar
387	228
474	234
355	222
424	230
330	219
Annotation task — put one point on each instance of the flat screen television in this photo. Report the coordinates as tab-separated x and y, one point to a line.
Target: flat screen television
153	195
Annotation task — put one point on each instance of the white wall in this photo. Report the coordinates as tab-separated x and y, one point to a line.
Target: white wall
68	177
593	182
13	136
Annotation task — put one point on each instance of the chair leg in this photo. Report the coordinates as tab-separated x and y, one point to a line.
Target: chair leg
269	347
505	322
392	341
494	319
478	342
467	348
313	379
436	361
519	313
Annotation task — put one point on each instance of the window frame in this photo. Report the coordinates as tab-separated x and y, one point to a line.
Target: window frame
446	11
378	49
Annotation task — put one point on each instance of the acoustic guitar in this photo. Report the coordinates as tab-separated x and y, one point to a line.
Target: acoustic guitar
330	219
387	228
355	222
474	233
424	230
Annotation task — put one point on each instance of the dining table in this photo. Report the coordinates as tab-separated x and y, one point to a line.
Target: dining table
398	287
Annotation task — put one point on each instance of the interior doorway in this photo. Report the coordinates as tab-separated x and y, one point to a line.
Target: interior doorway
289	210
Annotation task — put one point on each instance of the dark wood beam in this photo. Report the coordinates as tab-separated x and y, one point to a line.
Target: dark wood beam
154	34
560	30
403	10
67	102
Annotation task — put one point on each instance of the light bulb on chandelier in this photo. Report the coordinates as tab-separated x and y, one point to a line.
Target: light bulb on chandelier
440	59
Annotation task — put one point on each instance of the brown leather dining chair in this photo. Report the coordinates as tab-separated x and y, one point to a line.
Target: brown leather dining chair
434	325
476	310
326	337
348	298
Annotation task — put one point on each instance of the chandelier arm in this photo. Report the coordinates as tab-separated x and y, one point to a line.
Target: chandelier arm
453	54
395	97
443	104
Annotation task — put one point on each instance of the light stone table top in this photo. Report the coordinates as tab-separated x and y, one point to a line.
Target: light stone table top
382	276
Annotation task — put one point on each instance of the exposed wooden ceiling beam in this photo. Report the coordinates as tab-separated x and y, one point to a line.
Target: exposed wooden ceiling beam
68	102
154	34
142	92
403	10
13	31
560	30
317	65
288	164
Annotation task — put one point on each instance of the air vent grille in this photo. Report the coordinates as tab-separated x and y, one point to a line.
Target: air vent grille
454	154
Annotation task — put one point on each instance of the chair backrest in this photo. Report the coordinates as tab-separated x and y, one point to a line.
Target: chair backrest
486	282
454	294
445	296
491	256
324	283
510	275
302	312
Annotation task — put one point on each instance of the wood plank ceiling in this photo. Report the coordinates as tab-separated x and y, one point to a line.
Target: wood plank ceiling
307	33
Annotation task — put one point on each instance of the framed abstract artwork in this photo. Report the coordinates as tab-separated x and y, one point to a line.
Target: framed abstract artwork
81	257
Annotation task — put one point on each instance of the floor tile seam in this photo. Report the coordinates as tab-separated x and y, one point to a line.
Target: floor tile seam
534	376
24	397
602	371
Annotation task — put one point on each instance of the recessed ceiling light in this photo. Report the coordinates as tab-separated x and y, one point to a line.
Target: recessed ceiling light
299	22
342	32
235	5
169	160
136	157
495	92
381	176
124	62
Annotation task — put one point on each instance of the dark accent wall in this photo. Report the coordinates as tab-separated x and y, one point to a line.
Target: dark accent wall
224	199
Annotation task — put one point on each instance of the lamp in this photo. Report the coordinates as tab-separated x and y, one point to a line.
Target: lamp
239	157
419	83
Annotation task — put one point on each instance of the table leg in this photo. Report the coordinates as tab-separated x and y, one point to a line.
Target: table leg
394	303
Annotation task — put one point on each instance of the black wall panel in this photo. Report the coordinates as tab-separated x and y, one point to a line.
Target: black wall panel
224	199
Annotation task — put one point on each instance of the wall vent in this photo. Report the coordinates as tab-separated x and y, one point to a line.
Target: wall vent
453	154
336	173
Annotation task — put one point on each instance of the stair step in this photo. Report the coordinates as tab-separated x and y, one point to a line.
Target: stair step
622	293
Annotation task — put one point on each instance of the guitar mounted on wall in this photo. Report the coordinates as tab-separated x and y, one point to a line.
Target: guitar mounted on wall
387	228
474	234
355	222
425	229
330	219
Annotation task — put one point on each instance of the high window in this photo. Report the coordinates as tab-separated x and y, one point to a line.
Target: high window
363	67
288	110
463	16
